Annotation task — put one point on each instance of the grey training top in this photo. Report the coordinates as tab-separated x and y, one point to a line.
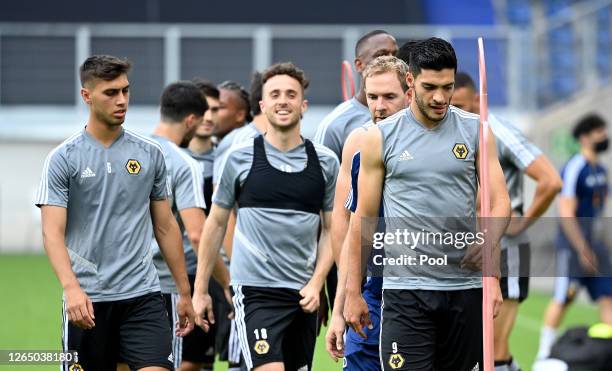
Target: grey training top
236	136
339	123
185	183
273	247
515	153
205	159
107	193
430	184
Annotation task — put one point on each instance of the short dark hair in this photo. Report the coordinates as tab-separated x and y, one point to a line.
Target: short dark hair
587	124
242	93
206	87
285	68
365	38
181	99
256	93
405	50
432	54
463	80
103	67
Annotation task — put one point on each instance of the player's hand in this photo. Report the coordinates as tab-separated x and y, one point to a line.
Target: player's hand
497	297
310	298
334	339
228	297
186	315
472	259
203	307
588	260
79	308
356	313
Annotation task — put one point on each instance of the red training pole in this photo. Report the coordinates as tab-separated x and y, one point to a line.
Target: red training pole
485	213
347	73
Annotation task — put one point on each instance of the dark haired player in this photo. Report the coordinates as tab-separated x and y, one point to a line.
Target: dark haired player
582	260
423	165
103	196
284	188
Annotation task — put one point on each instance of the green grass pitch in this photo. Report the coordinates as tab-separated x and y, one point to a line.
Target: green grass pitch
31	315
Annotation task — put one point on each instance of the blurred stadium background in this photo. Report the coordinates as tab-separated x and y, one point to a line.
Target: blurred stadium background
549	62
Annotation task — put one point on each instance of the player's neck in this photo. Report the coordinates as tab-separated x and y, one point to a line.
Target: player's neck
200	144
103	133
361	97
589	154
284	140
261	123
172	132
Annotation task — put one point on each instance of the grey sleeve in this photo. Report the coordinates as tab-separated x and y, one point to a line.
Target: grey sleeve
516	146
189	185
225	193
330	166
54	182
160	189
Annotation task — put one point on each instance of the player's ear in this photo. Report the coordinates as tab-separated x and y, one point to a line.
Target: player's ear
358	65
304	105
86	95
410	80
262	106
476	100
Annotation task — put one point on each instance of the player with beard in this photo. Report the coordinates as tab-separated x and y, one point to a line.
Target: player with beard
284	188
103	196
421	165
387	93
182	110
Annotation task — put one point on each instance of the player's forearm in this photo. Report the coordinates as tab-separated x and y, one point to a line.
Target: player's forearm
171	245
220	272
339	228
60	261
353	266
210	243
546	190
325	259
342	278
572	231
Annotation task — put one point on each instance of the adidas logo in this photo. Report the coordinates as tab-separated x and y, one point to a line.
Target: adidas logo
477	367
88	173
171	358
405	156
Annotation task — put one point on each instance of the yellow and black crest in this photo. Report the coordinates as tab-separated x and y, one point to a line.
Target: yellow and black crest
396	361
133	166
261	347
460	150
75	367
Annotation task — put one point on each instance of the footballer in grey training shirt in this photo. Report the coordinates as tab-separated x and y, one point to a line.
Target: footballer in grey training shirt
103	196
185	185
350	115
422	163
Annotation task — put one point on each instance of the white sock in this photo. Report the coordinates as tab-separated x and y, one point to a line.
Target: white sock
548	335
502	368
233	369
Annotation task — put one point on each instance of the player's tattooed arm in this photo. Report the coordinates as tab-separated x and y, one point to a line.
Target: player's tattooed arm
369	187
208	252
170	241
79	307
